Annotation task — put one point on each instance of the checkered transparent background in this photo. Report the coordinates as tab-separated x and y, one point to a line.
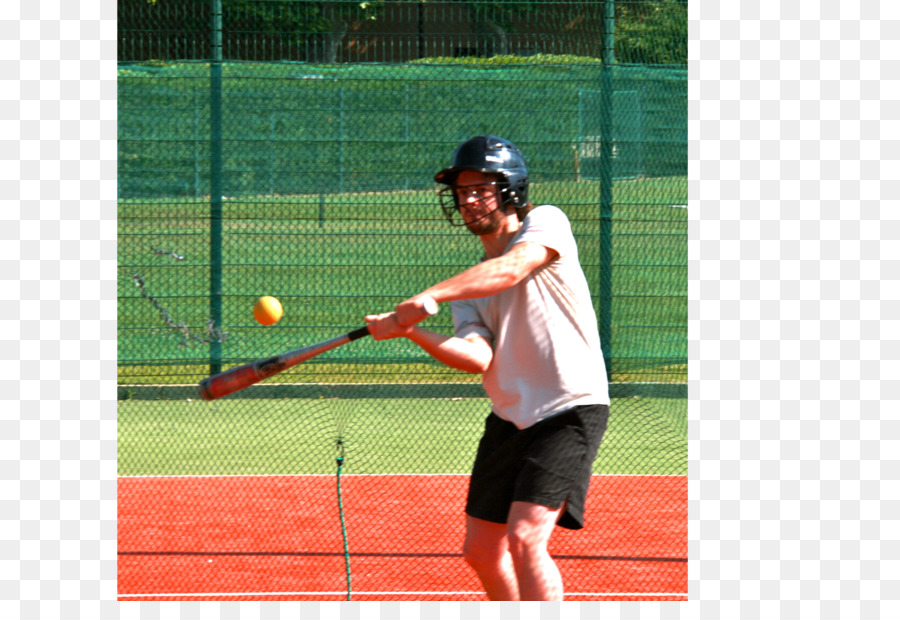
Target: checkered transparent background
793	329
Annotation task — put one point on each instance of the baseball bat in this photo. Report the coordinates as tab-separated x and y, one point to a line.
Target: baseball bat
236	379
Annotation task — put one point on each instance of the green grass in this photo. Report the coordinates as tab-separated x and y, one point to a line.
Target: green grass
299	436
366	253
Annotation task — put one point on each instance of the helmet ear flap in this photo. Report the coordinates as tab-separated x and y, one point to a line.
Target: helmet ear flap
515	194
508	194
490	154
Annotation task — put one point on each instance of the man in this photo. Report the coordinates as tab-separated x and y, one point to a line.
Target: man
523	316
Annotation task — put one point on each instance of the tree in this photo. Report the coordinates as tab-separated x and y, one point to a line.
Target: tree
497	20
252	29
334	19
652	32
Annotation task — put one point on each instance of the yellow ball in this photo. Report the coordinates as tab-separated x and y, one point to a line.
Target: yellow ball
267	310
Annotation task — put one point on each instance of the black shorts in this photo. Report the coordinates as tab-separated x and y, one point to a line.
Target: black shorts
547	463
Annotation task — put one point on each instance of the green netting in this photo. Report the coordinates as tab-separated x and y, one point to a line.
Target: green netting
349	163
324	199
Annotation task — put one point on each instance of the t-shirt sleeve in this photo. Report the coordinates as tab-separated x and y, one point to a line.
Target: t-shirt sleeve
467	320
548	226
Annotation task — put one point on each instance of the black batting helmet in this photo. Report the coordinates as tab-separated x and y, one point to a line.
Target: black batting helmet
490	154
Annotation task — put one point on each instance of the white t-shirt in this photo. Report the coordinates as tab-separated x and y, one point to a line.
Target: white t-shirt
547	355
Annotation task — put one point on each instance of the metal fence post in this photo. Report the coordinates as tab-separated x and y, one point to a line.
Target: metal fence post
606	182
215	193
341	144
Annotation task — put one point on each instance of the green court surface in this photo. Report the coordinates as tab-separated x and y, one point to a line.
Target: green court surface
256	436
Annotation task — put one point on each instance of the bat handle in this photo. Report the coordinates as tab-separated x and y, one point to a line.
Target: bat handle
356	334
428	307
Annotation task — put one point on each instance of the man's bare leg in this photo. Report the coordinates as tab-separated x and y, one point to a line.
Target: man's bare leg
529	528
486	550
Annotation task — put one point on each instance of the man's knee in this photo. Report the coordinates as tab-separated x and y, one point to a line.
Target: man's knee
529	529
480	555
525	540
485	544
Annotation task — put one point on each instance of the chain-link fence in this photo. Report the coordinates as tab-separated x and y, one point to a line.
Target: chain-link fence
287	148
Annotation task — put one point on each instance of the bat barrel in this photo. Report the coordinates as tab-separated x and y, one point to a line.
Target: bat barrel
230	381
236	379
206	390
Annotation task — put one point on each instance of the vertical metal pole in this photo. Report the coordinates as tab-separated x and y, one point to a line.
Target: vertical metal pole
215	193
271	150
420	19
606	182
341	140
198	185
406	129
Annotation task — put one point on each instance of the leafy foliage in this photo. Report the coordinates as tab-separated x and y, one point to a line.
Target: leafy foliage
252	30
647	31
652	32
494	61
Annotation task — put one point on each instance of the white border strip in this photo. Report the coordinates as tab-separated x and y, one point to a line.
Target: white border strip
150	476
445	593
347	384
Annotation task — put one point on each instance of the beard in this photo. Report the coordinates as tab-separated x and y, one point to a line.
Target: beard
487	223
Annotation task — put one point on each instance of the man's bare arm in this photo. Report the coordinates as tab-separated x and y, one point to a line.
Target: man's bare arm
487	278
472	354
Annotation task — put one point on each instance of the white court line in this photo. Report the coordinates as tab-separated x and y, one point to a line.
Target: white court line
366	475
191	594
381	385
